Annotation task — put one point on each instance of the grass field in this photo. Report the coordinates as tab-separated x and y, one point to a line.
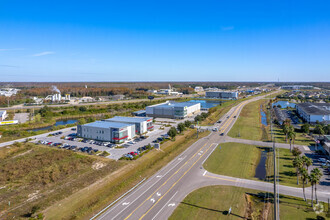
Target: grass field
234	159
37	176
301	138
213	202
248	124
241	160
92	199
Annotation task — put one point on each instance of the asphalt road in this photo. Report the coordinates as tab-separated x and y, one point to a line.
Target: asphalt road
157	197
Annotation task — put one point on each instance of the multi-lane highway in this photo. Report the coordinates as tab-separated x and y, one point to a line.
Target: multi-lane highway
157	197
153	198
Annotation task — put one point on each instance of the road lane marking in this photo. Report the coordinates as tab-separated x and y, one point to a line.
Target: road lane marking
171	204
158	194
175	183
204	173
158	176
165	182
165	205
152	200
147	189
125	203
215	177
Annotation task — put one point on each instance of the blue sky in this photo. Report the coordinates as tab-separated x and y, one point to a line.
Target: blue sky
165	40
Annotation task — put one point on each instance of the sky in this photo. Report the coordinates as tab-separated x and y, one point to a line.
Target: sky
164	40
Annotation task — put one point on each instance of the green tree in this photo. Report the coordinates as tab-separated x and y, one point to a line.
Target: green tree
305	128
181	127
298	164
82	108
307	161
82	121
318	175
319	129
172	132
312	179
296	151
37	118
304	177
187	123
292	137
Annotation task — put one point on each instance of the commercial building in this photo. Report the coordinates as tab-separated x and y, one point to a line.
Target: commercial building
221	95
142	124
178	110
296	87
140	113
107	131
3	115
312	112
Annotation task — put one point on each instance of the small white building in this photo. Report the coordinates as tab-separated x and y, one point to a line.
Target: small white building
3	115
178	110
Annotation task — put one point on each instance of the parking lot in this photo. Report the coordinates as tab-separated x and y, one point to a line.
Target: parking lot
67	139
323	163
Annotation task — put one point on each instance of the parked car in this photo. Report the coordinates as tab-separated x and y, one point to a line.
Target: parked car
73	129
221	134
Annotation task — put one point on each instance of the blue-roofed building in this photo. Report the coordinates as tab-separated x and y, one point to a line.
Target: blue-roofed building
177	110
115	132
140	113
142	124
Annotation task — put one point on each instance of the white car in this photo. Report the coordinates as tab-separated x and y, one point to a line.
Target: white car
322	160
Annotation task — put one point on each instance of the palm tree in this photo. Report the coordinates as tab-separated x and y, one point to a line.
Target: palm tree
298	164
291	136
296	152
318	175
304	177
307	162
312	179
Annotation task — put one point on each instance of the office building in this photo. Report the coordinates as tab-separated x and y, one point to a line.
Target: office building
142	124
221	95
114	132
177	110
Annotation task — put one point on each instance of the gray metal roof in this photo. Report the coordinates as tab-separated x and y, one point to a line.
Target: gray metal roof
128	119
140	111
315	108
107	124
175	104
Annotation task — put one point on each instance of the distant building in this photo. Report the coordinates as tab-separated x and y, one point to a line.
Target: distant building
199	89
107	131
8	92
296	87
221	95
140	113
3	115
118	97
312	112
142	124
177	110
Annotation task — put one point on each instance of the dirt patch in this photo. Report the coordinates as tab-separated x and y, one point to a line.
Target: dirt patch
33	196
22	154
98	165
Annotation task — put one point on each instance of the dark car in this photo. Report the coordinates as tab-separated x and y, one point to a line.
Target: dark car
221	134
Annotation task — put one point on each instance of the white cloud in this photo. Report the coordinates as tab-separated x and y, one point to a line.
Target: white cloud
43	53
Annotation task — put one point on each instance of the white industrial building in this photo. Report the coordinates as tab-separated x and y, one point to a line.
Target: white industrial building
178	110
142	124
107	131
221	94
312	112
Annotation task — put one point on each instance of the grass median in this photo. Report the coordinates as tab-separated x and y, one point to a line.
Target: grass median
92	199
213	202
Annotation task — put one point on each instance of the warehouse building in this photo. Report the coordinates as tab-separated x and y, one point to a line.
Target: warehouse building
142	124
312	112
107	131
177	110
221	95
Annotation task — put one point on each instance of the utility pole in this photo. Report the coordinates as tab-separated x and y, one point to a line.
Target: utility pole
275	177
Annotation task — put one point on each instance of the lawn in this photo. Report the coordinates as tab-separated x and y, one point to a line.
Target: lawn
37	176
92	199
213	202
248	124
300	139
234	159
240	160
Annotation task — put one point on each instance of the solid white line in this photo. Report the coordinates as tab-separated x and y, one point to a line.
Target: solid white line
216	145
146	190
164	205
117	199
204	173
